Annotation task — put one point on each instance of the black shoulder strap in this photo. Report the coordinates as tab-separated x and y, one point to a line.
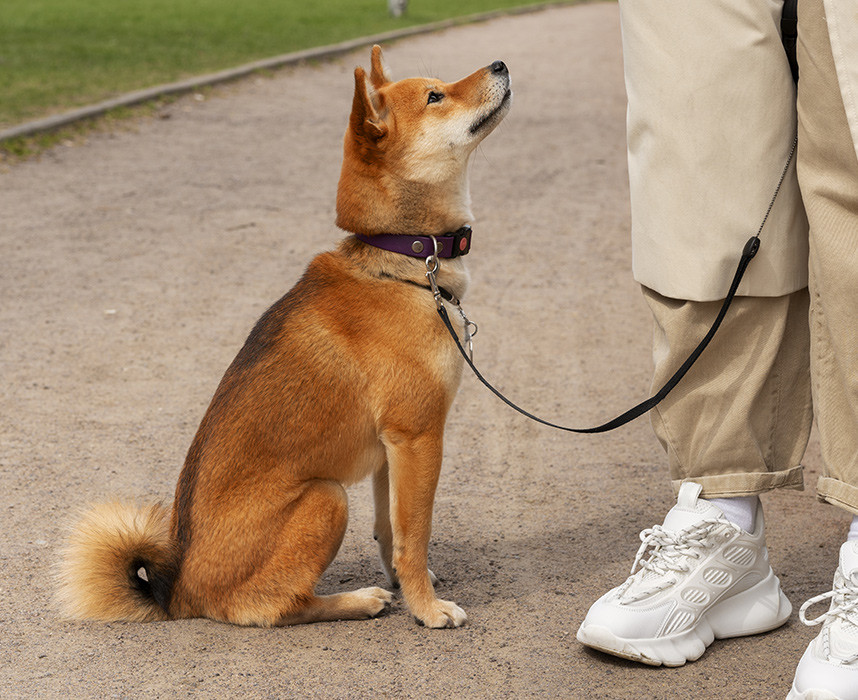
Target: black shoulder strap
789	34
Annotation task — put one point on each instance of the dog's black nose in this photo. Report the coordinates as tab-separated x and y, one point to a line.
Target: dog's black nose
499	67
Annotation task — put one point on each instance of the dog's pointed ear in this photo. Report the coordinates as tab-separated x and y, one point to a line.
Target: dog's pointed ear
380	73
365	122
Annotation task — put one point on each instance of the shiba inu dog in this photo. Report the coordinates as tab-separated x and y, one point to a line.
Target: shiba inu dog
349	375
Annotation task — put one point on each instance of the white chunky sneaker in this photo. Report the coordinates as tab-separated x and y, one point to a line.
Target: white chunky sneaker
704	578
829	668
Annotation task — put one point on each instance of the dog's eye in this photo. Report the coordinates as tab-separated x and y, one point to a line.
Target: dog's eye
434	97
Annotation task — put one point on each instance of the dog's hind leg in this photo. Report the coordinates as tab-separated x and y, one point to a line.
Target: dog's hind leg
354	605
301	544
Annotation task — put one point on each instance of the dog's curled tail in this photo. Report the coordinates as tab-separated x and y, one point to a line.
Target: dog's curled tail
119	563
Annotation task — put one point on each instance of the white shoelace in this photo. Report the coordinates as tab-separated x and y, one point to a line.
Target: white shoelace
843	606
672	551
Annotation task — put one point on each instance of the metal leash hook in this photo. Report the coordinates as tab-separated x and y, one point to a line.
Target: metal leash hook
432	267
469	334
433	264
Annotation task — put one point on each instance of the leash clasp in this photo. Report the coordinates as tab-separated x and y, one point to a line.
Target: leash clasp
432	267
470	330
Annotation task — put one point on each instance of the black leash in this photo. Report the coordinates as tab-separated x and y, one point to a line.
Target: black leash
750	250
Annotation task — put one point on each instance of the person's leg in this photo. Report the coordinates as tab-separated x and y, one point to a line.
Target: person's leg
739	421
828	174
735	426
710	123
711	120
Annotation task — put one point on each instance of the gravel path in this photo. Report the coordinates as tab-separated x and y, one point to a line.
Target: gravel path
131	269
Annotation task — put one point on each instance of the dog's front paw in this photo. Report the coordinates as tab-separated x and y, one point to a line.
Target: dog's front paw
442	613
375	600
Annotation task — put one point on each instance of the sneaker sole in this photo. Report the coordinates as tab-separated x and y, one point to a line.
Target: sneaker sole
811	695
761	608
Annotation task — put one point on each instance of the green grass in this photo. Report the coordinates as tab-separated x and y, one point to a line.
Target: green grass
60	54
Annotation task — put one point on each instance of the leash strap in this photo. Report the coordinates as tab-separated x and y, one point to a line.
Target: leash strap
749	251
751	248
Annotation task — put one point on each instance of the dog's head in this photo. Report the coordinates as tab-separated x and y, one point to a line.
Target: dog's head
407	148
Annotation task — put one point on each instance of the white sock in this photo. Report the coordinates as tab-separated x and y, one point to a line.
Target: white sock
741	510
853	530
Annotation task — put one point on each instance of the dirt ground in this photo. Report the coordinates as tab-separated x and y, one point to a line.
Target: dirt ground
131	269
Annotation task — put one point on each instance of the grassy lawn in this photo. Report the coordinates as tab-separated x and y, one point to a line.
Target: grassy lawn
59	54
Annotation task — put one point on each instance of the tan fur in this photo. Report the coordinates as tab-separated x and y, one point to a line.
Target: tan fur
349	375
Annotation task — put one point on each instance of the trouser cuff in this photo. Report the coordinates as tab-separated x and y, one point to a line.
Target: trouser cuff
728	485
837	493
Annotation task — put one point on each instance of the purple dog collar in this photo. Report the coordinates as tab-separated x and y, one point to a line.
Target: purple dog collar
450	245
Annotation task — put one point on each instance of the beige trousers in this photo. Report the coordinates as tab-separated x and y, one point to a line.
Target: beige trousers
739	422
711	116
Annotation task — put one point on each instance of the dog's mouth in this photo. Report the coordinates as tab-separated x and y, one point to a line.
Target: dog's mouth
494	116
